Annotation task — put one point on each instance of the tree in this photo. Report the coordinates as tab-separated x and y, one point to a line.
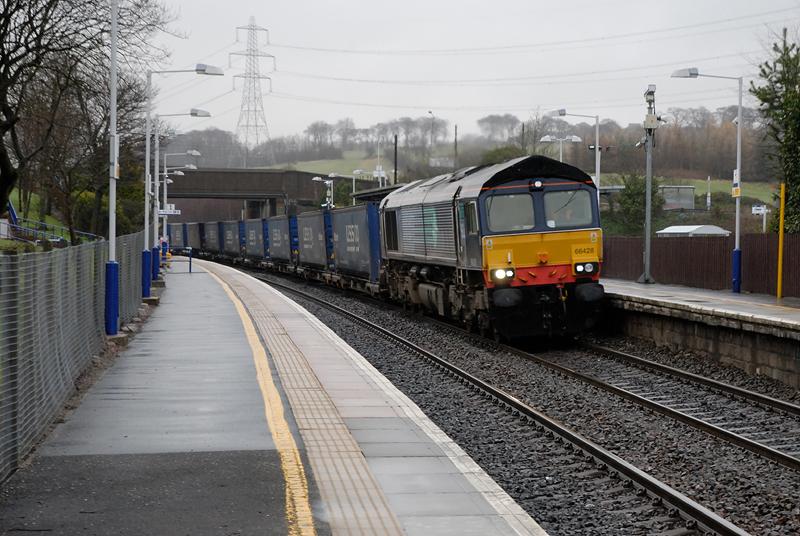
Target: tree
632	203
779	97
319	134
498	127
53	42
346	130
502	154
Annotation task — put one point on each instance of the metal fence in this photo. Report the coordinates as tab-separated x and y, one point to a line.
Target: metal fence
51	324
129	257
705	262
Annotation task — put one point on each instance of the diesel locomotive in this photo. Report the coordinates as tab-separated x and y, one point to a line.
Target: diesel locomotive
510	250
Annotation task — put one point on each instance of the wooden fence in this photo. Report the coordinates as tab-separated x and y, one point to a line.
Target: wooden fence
705	262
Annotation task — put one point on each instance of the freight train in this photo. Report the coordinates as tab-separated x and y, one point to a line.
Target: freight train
510	250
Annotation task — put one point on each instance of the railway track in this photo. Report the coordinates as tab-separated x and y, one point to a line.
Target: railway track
761	424
767	426
698	519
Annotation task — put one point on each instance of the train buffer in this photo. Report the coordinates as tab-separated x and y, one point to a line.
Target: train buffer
262	422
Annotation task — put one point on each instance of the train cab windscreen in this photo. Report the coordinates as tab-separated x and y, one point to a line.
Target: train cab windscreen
510	212
567	209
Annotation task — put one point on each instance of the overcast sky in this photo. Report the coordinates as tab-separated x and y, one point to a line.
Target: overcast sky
464	59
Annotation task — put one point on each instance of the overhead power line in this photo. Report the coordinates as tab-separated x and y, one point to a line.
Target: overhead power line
504	80
529	46
494	108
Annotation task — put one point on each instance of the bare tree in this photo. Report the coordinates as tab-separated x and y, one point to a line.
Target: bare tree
56	41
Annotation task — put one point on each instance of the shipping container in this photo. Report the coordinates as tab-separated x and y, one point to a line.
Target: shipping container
232	235
212	237
255	233
177	235
316	239
282	238
194	236
356	241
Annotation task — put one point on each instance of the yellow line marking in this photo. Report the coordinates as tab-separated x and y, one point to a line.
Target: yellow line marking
299	518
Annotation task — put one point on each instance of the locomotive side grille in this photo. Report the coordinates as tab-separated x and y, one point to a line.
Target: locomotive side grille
412	231
438	230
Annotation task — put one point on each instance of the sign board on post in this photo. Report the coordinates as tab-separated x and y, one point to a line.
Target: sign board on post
736	191
169	212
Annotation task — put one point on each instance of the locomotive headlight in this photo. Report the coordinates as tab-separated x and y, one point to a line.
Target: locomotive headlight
587	268
500	273
509	273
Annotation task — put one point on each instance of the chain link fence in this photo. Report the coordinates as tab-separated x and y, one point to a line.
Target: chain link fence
51	324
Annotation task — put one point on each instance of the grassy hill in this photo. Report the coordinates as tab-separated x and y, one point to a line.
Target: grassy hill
33	213
344	166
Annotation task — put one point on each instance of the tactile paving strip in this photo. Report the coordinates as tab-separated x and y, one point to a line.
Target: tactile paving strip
339	467
354	501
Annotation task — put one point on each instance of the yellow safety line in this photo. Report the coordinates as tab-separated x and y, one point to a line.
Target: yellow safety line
299	518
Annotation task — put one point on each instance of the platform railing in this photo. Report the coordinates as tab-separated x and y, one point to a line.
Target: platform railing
51	325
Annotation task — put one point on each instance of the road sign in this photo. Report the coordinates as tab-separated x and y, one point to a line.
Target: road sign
169	212
759	210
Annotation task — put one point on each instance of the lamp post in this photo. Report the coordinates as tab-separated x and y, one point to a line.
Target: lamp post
553	139
329	190
736	276
432	121
191	152
651	121
194	112
112	267
563	112
149	264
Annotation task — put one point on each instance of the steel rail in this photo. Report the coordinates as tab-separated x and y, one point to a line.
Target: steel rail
690	510
731	437
752	396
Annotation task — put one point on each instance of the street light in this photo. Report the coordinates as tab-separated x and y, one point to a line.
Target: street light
112	267
193	112
563	112
149	264
552	139
329	189
432	120
736	276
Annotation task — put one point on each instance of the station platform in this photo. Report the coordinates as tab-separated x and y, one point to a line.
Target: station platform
755	312
753	332
235	411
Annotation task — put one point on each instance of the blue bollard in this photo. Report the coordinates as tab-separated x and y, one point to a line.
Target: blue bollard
737	271
156	262
112	298
147	270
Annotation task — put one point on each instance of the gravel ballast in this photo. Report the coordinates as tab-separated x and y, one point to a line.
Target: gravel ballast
751	492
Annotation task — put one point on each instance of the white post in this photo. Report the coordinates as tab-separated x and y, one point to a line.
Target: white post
147	163
113	140
597	152
156	178
739	162
560	149
708	194
112	267
737	250
165	232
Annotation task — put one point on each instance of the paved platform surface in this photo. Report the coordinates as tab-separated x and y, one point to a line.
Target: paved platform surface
235	411
746	308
